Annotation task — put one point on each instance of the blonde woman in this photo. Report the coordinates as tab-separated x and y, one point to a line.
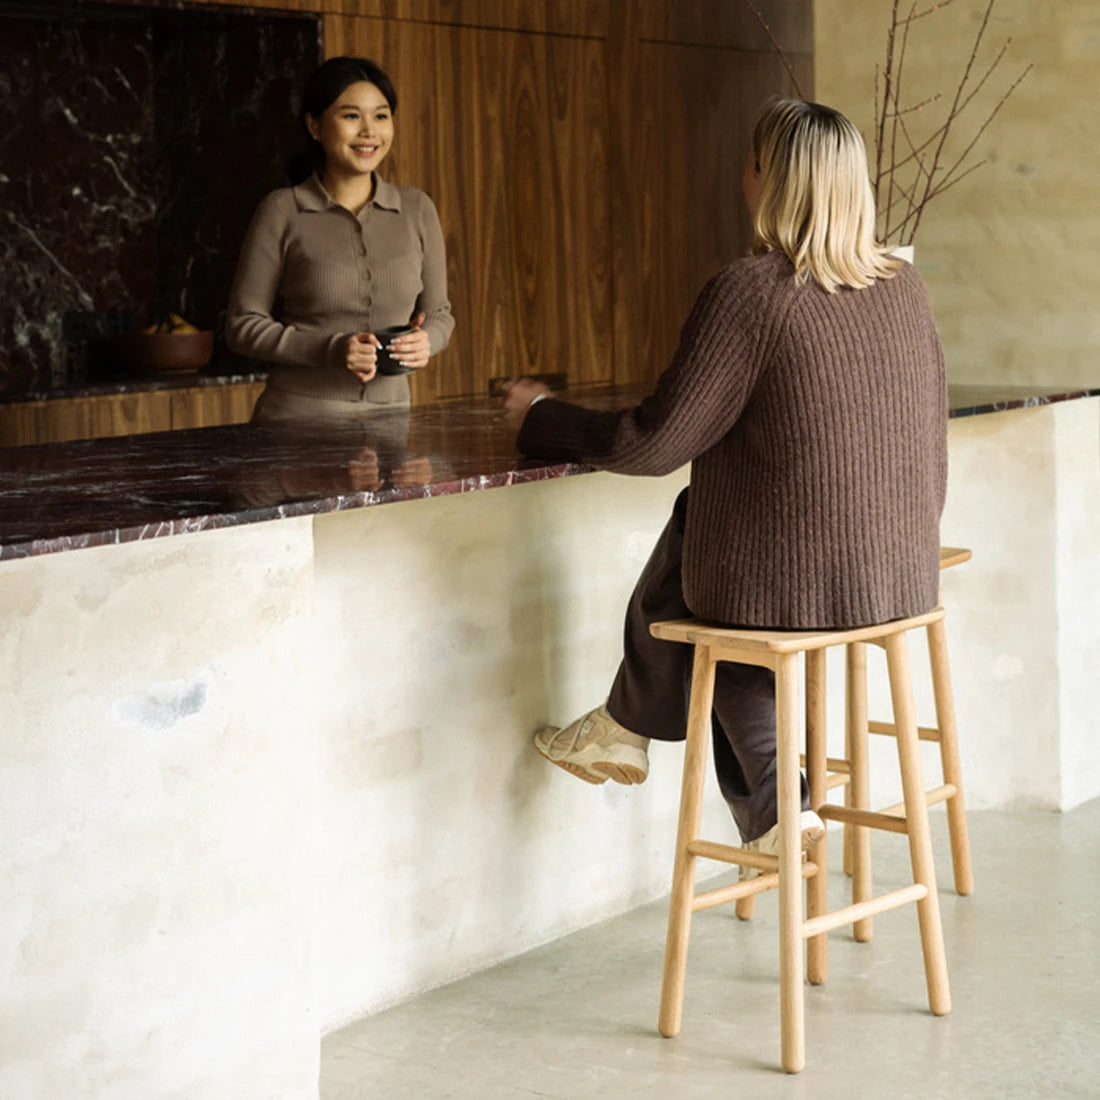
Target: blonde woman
808	393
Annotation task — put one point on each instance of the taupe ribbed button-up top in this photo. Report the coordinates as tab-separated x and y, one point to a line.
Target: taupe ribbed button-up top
311	273
816	425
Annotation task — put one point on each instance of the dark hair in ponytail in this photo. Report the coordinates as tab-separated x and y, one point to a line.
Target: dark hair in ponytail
323	89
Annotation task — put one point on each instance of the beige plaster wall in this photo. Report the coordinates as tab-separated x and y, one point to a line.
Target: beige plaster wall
1010	254
448	630
158	792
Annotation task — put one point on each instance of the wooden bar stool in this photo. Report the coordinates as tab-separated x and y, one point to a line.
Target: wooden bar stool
855	768
780	651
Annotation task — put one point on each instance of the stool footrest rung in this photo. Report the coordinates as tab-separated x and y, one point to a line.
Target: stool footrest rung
735	890
852	913
867	818
931	798
832	764
924	733
727	853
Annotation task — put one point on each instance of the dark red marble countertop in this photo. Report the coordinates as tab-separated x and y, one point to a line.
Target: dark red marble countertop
66	496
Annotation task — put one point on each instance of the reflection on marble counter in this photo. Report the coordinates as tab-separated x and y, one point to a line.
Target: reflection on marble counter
95	492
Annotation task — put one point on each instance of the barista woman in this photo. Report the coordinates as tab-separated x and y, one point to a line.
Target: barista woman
331	264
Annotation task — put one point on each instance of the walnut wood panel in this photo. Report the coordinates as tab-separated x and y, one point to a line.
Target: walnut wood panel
94	417
19	423
731	24
209	406
280	5
574	17
508	134
28	422
679	184
586	18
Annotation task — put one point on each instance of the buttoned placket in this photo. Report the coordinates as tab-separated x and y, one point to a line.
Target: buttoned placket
366	295
363	266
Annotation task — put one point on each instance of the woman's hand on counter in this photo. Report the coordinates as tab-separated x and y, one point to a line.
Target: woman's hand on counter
415	349
360	355
519	395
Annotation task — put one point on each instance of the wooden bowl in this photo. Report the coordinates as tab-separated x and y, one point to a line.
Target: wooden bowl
166	352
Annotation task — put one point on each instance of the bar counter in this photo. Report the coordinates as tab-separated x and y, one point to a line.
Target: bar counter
264	779
99	492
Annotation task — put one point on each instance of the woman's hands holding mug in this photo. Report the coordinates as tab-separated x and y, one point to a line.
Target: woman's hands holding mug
414	349
361	354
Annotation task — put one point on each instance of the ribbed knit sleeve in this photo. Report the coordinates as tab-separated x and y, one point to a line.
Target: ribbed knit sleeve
433	302
723	348
250	326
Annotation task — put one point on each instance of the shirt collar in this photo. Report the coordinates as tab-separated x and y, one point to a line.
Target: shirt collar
312	196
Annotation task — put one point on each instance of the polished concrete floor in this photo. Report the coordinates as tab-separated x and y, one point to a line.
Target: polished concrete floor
577	1018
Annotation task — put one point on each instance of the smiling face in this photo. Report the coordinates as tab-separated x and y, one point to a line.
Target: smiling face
355	131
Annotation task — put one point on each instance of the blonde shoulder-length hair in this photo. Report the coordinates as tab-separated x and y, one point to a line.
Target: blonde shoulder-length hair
815	200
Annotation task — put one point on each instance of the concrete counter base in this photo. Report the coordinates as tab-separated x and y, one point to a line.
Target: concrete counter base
256	782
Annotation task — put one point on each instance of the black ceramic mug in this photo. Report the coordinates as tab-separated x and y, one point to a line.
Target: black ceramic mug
384	362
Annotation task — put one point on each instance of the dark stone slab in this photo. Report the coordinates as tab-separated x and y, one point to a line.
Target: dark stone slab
93	493
135	143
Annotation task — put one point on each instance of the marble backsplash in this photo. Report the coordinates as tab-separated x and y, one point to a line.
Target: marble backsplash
135	142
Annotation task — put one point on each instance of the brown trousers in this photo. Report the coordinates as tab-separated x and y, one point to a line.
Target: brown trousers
653	686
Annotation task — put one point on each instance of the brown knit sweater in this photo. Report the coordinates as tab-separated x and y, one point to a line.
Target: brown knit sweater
816	425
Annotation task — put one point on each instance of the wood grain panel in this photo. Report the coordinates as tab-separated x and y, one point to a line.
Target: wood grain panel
730	23
59	421
508	133
280	5
210	406
586	18
19	423
684	216
650	17
95	417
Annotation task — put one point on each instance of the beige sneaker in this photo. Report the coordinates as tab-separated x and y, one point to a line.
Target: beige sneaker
813	829
596	748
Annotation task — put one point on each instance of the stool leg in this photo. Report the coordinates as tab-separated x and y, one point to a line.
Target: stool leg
949	756
792	1023
744	907
859	782
849	836
916	813
817	904
683	875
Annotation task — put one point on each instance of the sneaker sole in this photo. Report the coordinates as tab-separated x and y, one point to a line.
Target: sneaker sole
578	770
627	774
